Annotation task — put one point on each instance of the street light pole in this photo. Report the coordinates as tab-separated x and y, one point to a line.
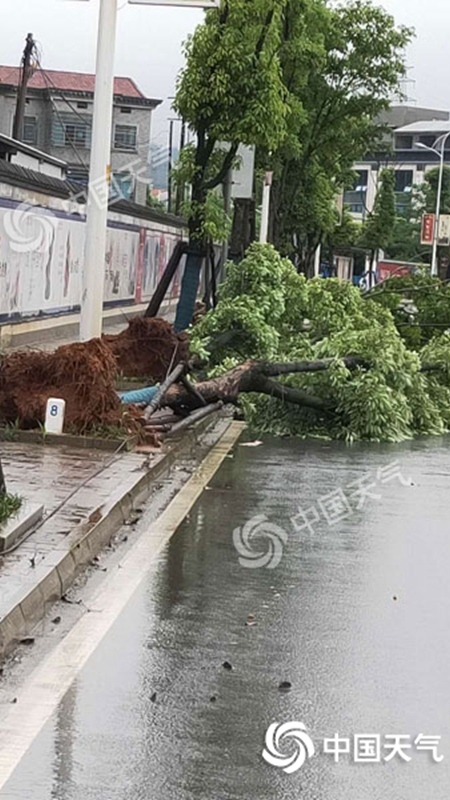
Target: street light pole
434	260
441	154
99	176
265	213
100	170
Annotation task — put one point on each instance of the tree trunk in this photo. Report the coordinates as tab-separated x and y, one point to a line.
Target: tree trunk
244	228
197	249
256	376
2	481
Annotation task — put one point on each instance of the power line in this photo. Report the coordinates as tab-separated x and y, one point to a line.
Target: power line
85	120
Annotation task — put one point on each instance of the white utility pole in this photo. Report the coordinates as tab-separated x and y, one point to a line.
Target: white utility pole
264	232
441	153
317	260
100	171
99	176
434	260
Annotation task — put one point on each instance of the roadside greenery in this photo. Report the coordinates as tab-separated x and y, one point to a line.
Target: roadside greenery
341	66
267	311
303	82
9	505
404	244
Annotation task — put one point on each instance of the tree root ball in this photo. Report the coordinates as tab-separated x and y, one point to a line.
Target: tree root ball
84	375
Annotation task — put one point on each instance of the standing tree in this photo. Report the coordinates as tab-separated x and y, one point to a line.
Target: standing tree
379	228
341	66
230	93
405	243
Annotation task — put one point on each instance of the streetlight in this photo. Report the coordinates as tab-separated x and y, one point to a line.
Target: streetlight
441	153
100	168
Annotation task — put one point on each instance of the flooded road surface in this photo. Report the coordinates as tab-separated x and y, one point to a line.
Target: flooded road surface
356	616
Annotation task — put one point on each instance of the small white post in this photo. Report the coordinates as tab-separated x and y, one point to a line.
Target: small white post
55	414
264	233
99	176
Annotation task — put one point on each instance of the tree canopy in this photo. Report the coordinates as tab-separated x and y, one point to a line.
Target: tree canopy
268	312
303	81
341	67
379	229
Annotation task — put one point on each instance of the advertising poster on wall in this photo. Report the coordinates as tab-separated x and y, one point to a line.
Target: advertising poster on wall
41	261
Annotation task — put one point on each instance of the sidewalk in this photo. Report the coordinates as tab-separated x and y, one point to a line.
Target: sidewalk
88	495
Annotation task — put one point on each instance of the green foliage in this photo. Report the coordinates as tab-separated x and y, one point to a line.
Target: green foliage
378	230
420	306
269	312
341	65
153	202
231	91
430	188
9	504
231	87
405	244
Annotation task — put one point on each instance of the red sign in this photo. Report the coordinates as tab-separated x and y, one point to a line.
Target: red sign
427	235
393	269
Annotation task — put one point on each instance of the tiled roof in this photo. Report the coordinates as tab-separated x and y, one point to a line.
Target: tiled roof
68	81
16	175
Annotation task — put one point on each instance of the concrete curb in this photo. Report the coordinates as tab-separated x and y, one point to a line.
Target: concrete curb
53	577
17	526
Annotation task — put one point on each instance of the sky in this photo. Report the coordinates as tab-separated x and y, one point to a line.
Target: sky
150	38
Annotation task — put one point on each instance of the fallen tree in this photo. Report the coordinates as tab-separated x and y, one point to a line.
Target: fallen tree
298	357
254	377
85	376
316	358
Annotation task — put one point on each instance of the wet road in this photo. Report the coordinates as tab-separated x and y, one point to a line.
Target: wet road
355	615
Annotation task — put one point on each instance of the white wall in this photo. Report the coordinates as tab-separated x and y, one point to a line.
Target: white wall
42	250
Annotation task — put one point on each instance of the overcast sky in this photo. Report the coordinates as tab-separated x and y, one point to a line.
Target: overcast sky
150	40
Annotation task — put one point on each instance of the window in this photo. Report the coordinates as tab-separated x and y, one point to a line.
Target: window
427	140
355	201
404	180
362	180
403	142
125	137
71	132
82	105
76	133
355	208
122	186
30	130
125	110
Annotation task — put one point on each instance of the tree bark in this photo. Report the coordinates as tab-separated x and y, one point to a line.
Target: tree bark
256	376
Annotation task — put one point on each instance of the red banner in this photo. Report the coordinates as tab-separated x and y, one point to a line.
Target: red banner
427	235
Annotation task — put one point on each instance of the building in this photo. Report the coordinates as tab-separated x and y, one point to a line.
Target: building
58	121
31	158
410	128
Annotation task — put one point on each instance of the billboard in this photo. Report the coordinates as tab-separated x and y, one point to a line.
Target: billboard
243	175
444	229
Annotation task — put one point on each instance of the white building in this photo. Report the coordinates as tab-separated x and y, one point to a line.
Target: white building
31	158
403	154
